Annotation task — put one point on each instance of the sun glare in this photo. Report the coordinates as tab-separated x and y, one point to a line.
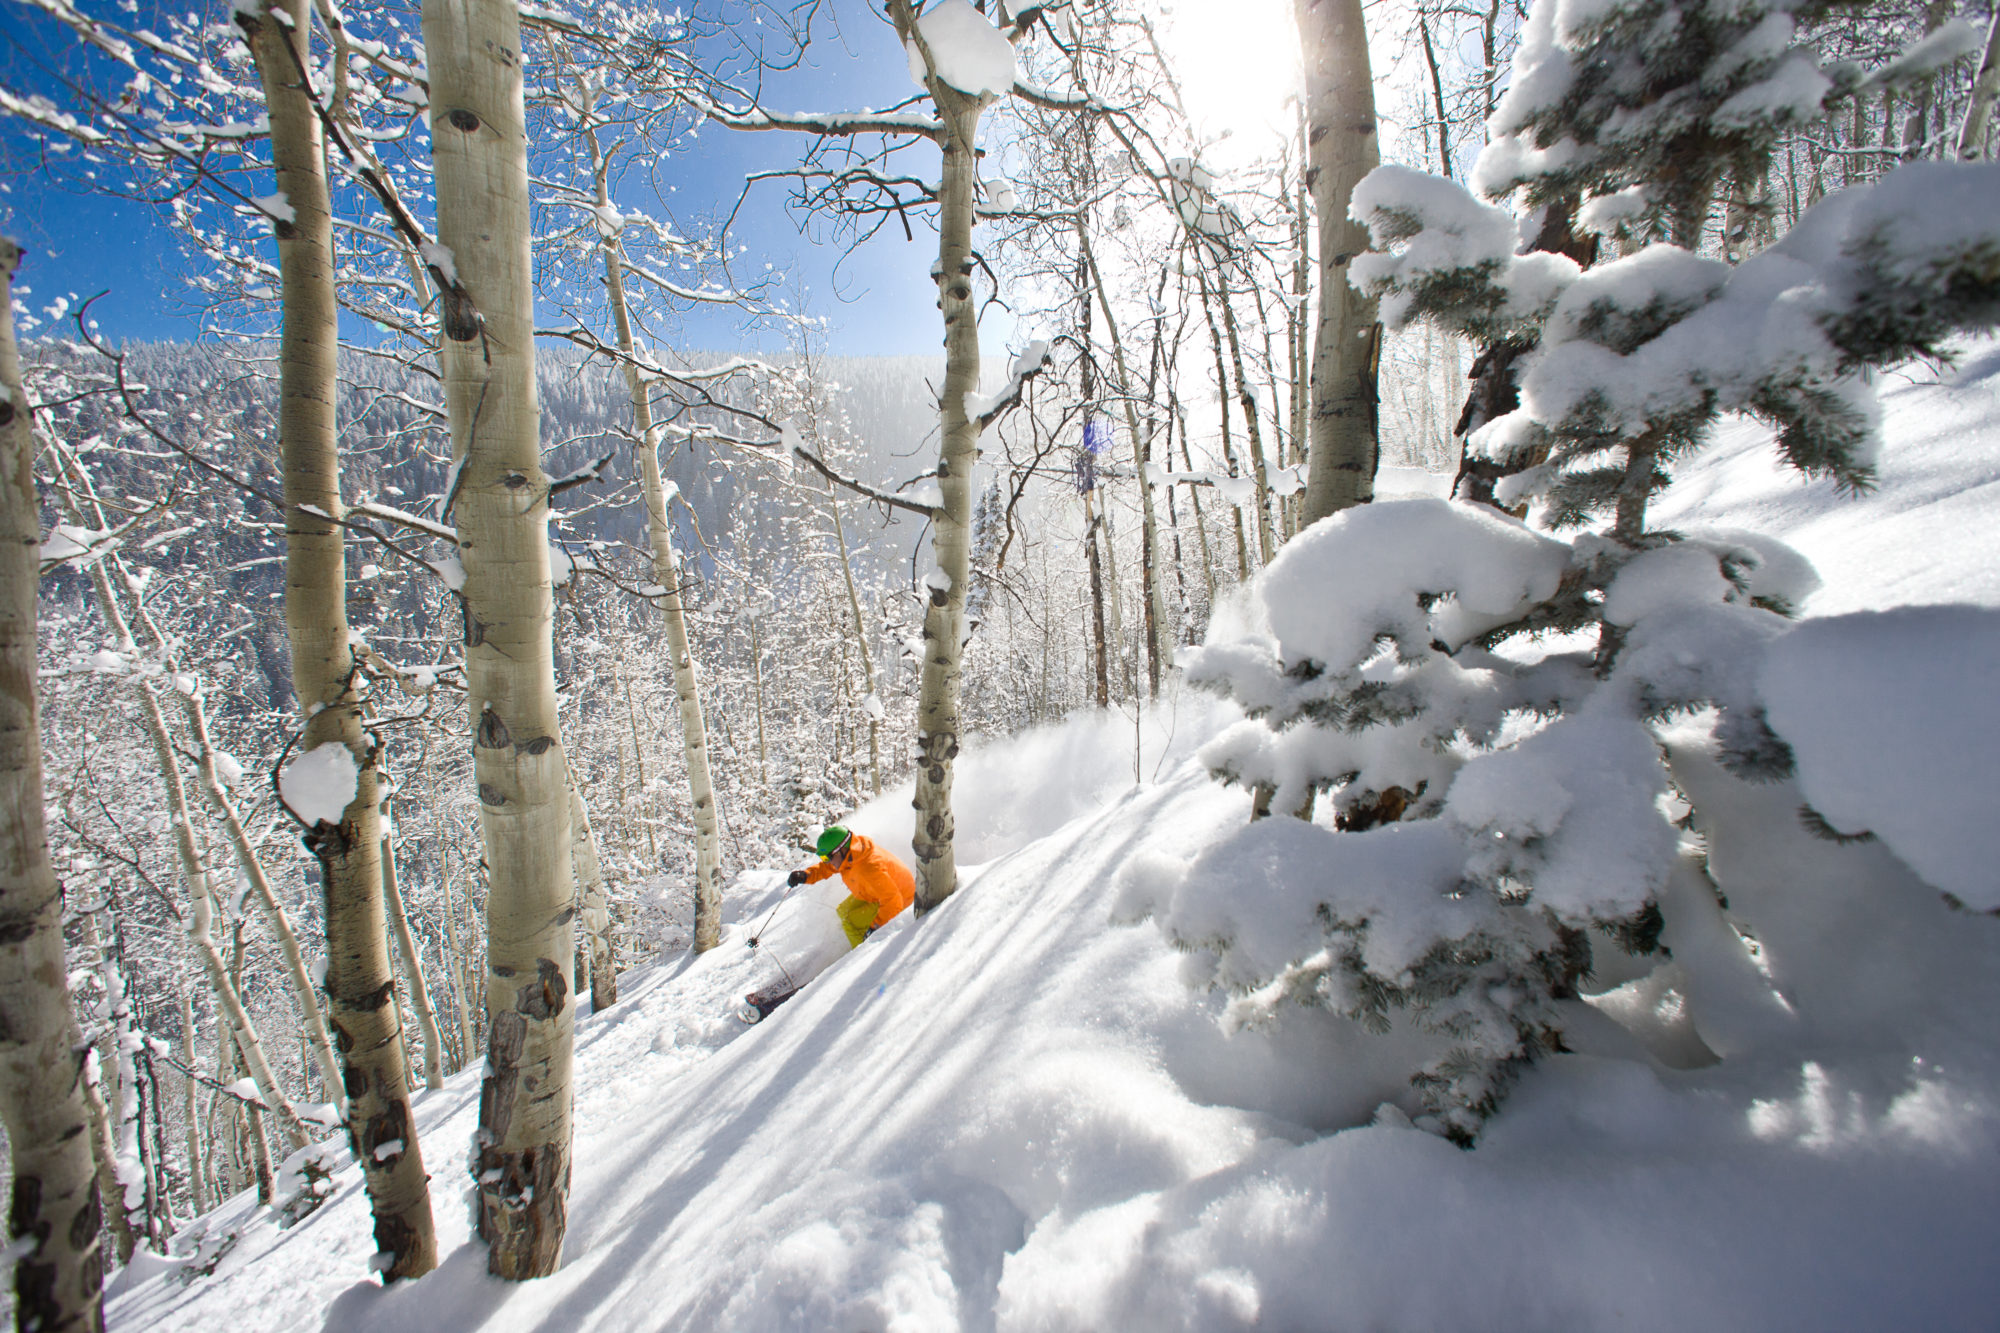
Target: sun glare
1238	61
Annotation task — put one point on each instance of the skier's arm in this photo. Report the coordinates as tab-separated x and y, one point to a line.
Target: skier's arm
823	870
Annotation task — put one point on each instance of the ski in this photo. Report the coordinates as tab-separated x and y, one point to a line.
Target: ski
758	1004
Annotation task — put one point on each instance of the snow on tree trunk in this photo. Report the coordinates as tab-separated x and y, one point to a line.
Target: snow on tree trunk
360	986
1342	148
521	1159
53	1218
667	576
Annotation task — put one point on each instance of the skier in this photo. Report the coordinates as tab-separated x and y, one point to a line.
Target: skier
878	885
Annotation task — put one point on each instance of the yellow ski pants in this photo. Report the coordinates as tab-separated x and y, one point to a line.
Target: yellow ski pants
856	916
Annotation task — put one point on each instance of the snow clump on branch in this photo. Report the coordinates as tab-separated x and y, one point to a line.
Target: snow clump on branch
971	54
321	783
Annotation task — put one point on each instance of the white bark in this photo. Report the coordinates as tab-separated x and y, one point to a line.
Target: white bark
198	1190
594	906
1149	558
54	1213
360	986
521	1162
1341	132
958	451
413	967
1985	87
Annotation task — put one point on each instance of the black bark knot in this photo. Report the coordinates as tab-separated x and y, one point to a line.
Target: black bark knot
389	1125
461	119
327	842
460	316
543	998
491	795
89	1220
24	1210
538	746
394	1236
492	733
372	1001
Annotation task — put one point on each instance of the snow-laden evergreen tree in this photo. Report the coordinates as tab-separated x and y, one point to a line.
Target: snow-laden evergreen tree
1511	829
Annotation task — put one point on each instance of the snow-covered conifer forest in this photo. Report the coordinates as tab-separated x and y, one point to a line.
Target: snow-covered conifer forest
1416	592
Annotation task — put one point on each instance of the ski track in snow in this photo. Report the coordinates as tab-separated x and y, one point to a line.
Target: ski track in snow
1018	1117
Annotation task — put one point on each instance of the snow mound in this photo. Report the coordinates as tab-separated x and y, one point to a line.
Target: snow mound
1895	726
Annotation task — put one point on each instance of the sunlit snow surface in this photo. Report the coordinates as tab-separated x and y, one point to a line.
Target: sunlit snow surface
1017	1116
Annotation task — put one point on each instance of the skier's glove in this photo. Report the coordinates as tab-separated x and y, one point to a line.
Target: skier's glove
796	878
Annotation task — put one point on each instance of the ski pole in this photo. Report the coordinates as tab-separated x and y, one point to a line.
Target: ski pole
774	911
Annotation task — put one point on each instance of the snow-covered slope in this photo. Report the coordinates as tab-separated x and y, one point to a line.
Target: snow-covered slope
1925	535
1017	1116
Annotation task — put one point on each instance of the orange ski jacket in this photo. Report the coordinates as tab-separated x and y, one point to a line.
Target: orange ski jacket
872	875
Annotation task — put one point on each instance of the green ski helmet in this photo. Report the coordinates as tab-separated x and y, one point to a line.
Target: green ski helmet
832	840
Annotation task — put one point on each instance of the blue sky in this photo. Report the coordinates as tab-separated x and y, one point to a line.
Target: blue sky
878	300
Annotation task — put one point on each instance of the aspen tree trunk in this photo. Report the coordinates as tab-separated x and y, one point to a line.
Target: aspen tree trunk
1174	529
958	451
860	637
313	1025
757	687
1200	519
521	1162
667	575
1985	87
455	971
1340	115
230	1180
243	1033
1222	405
638	766
1126	680
1156	612
1100	641
596	906
1097	604
413	968
198	1192
360	988
104	1154
54	1214
113	1098
1253	429
195	713
201	912
1301	340
468	998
